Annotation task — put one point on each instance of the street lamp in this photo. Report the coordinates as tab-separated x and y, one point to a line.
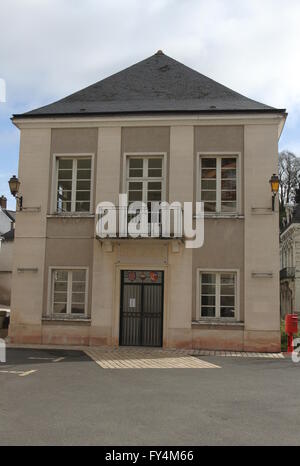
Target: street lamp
14	186
274	183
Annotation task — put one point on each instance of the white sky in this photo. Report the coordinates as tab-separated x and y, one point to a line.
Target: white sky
51	48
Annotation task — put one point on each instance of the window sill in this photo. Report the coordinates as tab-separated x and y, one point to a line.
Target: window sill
70	319
222	216
72	215
217	323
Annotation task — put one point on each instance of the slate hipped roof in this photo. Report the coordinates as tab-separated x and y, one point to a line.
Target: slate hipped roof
158	84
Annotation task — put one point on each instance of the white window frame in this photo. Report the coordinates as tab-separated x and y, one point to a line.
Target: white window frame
72	155
217	318
68	314
219	155
145	156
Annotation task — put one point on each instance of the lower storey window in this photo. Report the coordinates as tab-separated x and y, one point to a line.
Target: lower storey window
69	296
218	294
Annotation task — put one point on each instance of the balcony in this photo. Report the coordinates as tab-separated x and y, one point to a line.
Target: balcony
287	272
119	222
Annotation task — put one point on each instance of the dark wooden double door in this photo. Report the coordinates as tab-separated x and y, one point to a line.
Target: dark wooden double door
141	313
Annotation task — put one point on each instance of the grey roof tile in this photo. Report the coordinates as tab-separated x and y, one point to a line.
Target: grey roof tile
158	84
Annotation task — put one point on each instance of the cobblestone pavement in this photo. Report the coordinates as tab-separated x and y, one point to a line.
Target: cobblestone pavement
157	358
146	359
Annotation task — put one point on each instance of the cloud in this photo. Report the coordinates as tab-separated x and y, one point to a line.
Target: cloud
51	48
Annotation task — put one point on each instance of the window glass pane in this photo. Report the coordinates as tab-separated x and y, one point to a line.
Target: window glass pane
228	207
227	278
65	174
208	300
209	207
60	297
154	185
227	301
83	195
63	206
138	186
230	185
136	168
64	185
155	163
78	298
208	195
83	185
227	290
77	308
135	196
208	311
209	173
208	289
63	195
84	163
82	206
60	286
208	278
78	286
65	163
59	308
154	196
228	196
83	174
61	275
228	163
228	174
209	162
155	168
78	276
208	184
136	163
154	173
227	312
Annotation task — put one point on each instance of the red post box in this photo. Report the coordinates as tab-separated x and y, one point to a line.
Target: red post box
291	327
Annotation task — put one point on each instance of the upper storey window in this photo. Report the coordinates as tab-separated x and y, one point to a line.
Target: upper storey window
218	184
145	179
73	186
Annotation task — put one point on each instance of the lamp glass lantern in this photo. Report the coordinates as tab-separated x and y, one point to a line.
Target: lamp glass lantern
274	183
14	186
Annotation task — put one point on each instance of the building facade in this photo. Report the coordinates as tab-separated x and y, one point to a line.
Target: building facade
156	131
7	233
290	260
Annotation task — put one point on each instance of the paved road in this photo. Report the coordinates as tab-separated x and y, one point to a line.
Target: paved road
73	401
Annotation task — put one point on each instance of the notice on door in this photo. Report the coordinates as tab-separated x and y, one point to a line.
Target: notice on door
131	302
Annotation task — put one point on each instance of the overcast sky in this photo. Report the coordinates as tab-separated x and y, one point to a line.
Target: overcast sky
51	48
